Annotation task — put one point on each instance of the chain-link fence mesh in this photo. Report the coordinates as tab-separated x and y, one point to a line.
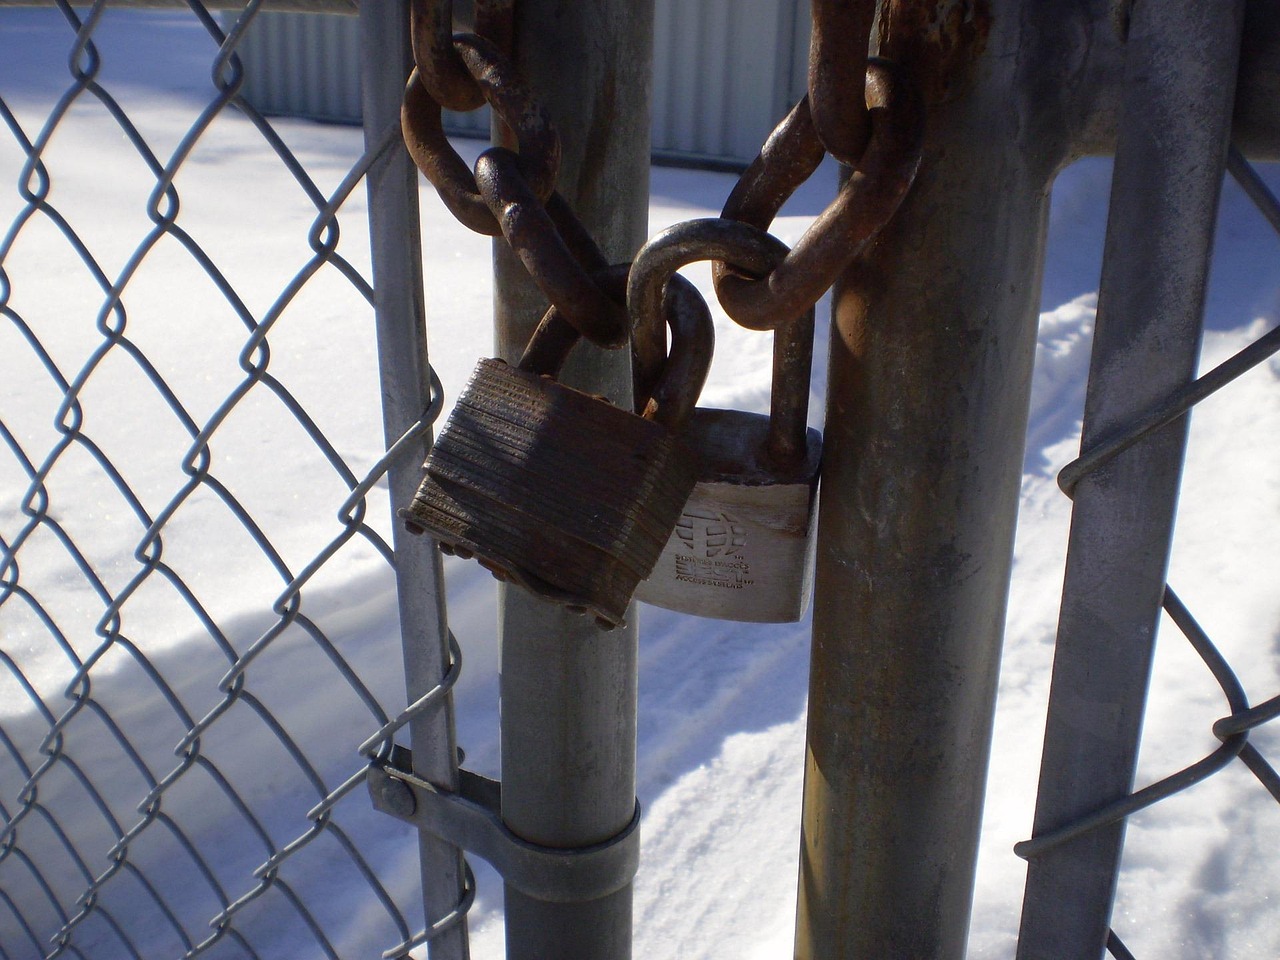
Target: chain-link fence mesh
1243	716
194	527
194	539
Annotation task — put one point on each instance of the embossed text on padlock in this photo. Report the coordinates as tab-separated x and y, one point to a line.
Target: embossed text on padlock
743	548
557	490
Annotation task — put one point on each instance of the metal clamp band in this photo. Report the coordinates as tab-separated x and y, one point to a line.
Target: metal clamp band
470	819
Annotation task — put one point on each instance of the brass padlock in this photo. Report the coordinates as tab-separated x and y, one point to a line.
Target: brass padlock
559	491
743	548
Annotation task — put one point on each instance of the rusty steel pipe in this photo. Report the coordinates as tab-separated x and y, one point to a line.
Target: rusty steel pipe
932	341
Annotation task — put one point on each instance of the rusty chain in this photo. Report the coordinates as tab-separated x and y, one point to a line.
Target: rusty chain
508	192
837	63
443	71
862	111
864	204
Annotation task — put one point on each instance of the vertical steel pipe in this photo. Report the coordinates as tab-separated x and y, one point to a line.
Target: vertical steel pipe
568	689
399	312
932	343
1179	89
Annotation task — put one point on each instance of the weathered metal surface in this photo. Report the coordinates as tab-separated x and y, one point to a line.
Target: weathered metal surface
747	248
1170	158
559	491
932	343
569	690
512	102
938	42
470	817
553	489
534	234
837	66
399	312
442	71
743	546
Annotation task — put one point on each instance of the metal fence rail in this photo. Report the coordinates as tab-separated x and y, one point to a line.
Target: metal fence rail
164	612
1234	728
1179	88
119	749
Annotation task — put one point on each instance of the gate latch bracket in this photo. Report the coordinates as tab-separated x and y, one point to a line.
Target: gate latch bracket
471	819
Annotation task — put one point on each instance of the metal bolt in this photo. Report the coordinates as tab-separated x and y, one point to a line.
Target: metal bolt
397	797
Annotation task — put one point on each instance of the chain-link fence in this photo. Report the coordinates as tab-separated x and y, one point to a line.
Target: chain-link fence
1243	716
196	565
1125	486
197	624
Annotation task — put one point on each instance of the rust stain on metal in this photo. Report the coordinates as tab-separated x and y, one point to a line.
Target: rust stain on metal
936	40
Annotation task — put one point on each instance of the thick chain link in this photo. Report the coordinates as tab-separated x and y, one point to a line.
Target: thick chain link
863	112
495	78
865	202
744	247
440	69
508	193
837	64
533	231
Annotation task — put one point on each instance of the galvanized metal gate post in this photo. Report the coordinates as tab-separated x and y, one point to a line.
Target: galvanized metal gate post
568	689
1176	123
932	343
402	355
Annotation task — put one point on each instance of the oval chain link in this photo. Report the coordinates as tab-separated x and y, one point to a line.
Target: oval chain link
441	71
864	204
513	193
837	64
495	77
747	248
877	132
531	231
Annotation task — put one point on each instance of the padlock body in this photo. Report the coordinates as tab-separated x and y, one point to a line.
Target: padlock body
554	489
743	547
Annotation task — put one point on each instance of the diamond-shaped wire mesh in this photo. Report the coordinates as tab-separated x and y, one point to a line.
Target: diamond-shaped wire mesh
152	538
185	646
1241	716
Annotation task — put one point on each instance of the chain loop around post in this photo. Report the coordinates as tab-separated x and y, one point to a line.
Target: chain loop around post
495	77
837	63
865	203
530	229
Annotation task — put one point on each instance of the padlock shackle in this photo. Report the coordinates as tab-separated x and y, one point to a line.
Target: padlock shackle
751	251
788	440
746	248
693	333
672	398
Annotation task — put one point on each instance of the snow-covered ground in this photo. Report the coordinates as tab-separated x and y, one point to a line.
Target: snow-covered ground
721	705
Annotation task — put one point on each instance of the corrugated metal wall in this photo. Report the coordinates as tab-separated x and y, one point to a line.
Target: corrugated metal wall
725	71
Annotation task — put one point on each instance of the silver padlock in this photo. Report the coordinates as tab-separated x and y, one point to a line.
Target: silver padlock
743	547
